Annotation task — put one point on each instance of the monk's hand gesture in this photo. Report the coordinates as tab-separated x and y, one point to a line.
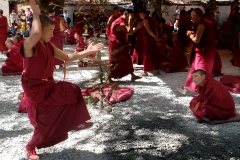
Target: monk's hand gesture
196	107
189	33
35	7
95	48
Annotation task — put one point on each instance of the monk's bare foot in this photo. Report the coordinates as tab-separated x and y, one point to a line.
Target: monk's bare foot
20	96
135	78
144	74
31	154
84	125
109	80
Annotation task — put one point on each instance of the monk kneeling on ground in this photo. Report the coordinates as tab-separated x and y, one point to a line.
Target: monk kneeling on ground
214	104
13	64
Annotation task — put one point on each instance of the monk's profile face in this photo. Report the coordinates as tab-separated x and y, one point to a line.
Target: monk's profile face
194	17
47	33
116	12
142	15
76	36
8	45
198	79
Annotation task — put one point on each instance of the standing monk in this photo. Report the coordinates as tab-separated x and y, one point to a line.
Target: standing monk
120	62
3	31
204	48
54	108
116	14
57	38
151	55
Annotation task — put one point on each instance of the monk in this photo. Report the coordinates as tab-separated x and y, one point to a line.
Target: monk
57	38
70	36
214	104
3	31
151	55
204	49
120	63
79	23
18	40
116	14
177	60
54	108
13	64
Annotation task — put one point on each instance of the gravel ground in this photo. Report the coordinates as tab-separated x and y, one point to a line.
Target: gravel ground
155	123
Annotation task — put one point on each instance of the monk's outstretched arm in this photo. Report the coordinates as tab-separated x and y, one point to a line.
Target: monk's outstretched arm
36	31
59	54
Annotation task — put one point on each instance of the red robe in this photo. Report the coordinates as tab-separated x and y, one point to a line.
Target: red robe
13	64
231	82
3	33
137	56
70	37
79	24
151	55
205	52
54	108
216	103
113	19
217	65
184	25
119	58
81	45
57	38
177	60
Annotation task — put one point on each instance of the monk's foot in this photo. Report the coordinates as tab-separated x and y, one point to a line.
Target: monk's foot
20	96
31	154
135	78
181	89
144	74
109	80
84	125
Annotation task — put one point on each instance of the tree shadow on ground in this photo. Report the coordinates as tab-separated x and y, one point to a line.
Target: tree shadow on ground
14	133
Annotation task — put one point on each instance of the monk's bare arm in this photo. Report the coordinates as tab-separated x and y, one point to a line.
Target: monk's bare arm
59	54
62	25
110	20
36	31
197	37
146	25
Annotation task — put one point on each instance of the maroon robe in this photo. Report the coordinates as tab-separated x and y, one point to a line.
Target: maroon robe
216	103
137	56
151	55
184	25
231	82
177	60
119	58
70	37
57	38
81	45
114	17
54	108
205	52
3	33
217	65
79	24
13	64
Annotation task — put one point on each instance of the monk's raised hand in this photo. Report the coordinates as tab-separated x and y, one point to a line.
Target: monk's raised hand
95	48
35	7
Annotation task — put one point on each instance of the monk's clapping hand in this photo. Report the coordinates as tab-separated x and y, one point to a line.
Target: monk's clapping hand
95	48
189	33
139	25
35	7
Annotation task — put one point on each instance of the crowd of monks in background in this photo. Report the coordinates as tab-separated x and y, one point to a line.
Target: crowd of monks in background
136	37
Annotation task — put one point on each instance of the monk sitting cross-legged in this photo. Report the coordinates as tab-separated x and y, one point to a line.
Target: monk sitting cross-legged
54	108
13	64
177	60
120	62
214	104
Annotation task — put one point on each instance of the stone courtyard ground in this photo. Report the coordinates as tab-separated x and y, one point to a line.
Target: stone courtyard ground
155	123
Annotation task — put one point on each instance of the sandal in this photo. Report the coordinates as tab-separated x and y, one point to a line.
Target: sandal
31	154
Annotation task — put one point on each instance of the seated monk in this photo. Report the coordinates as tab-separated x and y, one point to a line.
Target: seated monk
70	36
210	106
13	64
82	45
231	82
18	40
177	60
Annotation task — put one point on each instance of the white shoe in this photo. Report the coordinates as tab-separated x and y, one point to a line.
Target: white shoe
181	89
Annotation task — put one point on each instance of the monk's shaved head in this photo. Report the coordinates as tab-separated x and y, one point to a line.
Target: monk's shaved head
200	71
198	12
9	41
46	20
1	11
